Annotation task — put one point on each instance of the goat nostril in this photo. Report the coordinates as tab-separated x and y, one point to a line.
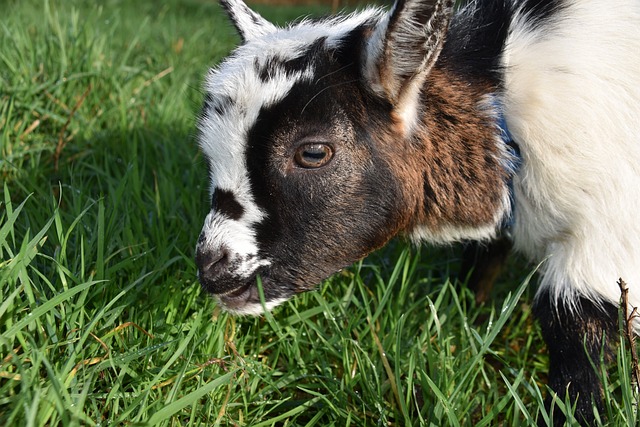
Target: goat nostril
219	259
211	262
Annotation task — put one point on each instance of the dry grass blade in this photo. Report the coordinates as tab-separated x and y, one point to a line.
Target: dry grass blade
629	319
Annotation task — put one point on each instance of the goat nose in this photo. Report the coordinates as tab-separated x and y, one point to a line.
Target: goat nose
211	262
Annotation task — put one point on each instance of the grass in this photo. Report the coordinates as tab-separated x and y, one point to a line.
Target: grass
102	321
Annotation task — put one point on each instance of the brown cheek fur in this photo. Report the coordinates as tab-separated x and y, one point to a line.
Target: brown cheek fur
449	166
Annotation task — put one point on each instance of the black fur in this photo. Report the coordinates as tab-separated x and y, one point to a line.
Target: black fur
225	202
476	39
576	338
219	105
289	66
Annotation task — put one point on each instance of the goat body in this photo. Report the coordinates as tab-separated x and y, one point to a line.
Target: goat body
327	138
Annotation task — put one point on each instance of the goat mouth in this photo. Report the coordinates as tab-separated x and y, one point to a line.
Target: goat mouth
239	298
240	293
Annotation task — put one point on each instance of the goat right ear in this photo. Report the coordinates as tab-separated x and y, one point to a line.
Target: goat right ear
249	24
403	48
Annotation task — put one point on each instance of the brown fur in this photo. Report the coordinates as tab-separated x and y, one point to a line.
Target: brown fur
463	177
450	166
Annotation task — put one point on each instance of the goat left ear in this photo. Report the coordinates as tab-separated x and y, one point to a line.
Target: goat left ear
249	24
402	50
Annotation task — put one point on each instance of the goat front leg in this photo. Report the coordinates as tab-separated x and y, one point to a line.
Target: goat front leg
577	334
482	263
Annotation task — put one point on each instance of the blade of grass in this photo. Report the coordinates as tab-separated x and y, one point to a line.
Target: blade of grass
44	308
190	399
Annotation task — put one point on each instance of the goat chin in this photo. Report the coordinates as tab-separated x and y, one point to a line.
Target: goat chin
326	138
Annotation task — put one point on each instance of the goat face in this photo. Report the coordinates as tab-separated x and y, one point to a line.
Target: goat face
297	134
307	174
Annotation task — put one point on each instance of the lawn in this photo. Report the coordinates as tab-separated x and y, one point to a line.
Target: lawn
102	320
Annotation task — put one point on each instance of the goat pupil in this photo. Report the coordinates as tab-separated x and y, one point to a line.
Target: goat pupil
313	155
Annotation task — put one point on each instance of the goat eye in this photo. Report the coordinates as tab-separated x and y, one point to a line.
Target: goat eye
312	156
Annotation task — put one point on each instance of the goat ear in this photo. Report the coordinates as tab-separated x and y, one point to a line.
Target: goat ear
403	48
249	24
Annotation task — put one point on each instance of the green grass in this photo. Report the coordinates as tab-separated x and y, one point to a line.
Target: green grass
102	321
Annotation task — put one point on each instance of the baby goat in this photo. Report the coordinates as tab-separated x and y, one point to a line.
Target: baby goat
327	138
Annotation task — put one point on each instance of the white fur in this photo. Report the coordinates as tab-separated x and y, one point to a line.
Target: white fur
249	23
239	240
451	233
572	102
255	309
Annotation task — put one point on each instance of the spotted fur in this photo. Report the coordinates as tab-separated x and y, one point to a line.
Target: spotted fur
409	106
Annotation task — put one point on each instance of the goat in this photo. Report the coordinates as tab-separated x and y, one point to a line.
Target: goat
327	138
